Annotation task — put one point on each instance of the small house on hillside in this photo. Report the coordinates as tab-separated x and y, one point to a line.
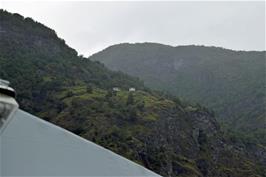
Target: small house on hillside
116	89
132	89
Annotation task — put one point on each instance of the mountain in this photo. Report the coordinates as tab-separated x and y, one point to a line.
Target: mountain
156	130
232	83
44	63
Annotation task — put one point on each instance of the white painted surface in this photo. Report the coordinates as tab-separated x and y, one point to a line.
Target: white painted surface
30	146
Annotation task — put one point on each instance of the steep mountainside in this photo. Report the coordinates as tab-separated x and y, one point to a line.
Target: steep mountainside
158	131
44	63
231	82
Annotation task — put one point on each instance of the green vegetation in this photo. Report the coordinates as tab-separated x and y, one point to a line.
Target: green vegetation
156	130
232	83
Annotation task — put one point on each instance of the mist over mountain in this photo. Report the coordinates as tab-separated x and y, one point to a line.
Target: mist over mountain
156	130
232	83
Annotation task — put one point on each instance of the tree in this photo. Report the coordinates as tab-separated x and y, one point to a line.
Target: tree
109	94
141	106
132	112
69	94
89	89
130	99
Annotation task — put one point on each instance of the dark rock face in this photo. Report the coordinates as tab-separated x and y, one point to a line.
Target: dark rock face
191	144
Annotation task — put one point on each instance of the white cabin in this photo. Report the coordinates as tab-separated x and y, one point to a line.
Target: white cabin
132	89
116	89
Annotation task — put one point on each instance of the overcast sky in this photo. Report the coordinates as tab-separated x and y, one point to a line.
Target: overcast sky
90	27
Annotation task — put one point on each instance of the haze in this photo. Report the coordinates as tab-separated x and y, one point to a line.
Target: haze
92	26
